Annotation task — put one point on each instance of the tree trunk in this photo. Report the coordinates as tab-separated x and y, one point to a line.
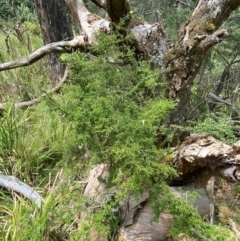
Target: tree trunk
55	26
184	59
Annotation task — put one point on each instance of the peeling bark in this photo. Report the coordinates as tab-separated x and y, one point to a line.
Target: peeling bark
204	157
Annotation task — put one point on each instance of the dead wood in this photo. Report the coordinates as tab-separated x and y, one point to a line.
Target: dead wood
197	160
38	99
14	184
62	46
204	157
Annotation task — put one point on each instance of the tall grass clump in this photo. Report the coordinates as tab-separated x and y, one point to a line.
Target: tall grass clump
32	141
26	83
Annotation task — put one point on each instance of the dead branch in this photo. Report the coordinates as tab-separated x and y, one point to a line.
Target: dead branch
183	3
198	160
14	184
37	100
145	34
212	98
62	46
136	215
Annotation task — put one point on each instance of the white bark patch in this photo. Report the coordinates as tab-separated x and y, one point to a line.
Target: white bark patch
210	3
149	42
214	4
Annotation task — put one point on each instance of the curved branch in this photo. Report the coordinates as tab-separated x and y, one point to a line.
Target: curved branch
37	100
62	46
199	34
183	3
13	183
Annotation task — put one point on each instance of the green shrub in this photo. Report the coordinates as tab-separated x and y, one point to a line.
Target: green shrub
115	104
222	129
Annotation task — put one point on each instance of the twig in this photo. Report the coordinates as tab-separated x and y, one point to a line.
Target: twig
235	200
38	99
183	3
217	99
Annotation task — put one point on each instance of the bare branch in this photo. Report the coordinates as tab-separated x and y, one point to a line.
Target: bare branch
62	46
234	100
183	3
13	183
222	56
197	7
37	100
213	39
216	99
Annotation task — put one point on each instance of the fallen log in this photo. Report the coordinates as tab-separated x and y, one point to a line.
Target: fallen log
196	160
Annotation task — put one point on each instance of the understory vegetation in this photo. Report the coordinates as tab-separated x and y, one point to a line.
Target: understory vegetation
108	112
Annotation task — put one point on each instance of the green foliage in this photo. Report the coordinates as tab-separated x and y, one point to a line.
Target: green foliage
23	221
108	113
22	84
222	129
17	10
23	150
115	105
114	102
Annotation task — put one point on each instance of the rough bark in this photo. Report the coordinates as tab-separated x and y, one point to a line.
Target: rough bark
117	10
196	37
55	26
200	158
